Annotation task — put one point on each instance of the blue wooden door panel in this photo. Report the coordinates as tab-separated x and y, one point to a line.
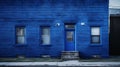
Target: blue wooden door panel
70	39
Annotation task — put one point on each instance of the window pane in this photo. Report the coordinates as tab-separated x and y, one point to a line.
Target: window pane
20	31
95	39
69	35
69	26
45	31
45	35
45	39
20	40
95	31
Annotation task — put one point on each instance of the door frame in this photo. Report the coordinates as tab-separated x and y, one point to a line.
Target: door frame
74	35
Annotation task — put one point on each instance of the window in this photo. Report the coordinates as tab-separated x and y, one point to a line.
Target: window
20	35
45	31
70	35
95	34
69	26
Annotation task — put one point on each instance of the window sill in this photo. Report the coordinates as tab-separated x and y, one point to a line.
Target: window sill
45	44
20	45
96	45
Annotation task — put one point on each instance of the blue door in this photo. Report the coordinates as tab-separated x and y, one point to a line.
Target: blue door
70	40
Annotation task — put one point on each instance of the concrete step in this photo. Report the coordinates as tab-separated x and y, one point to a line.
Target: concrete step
69	55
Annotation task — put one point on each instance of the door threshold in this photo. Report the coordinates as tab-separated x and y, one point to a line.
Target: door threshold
70	51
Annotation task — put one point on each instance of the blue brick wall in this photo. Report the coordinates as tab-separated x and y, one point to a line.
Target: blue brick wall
35	13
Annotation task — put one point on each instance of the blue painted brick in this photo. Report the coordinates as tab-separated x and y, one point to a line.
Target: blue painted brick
36	13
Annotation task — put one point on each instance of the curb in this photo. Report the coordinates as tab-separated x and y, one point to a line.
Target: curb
59	64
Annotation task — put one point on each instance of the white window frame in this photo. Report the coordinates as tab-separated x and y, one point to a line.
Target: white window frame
20	35
95	32
45	37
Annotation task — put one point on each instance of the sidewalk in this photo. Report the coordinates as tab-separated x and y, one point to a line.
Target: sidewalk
59	64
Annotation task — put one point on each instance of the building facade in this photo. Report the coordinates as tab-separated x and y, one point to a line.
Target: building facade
114	31
33	28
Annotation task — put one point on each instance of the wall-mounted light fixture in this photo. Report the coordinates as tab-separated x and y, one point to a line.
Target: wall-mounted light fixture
82	23
57	24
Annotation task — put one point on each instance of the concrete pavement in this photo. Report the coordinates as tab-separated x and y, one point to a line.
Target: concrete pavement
59	64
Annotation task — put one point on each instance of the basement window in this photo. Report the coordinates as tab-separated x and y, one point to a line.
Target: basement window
95	35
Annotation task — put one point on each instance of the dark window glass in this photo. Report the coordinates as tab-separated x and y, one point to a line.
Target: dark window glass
69	26
95	39
69	35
